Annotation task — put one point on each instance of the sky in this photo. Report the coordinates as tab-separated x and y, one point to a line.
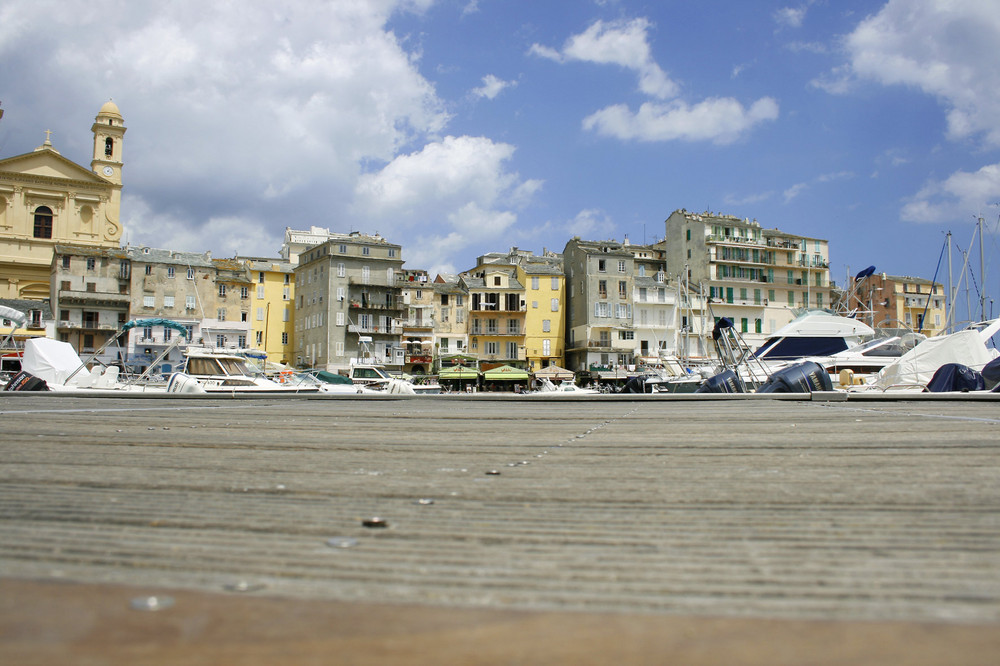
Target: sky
460	127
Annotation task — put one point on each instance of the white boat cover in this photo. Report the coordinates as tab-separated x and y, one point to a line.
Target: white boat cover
918	365
50	360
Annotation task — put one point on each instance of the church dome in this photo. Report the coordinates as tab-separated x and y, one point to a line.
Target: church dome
110	109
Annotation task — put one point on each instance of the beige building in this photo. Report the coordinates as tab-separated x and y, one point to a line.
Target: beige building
47	199
759	278
898	301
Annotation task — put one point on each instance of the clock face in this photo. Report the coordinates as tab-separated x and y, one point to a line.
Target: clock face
108	171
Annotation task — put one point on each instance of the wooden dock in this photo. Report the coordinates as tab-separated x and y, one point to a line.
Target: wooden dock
454	529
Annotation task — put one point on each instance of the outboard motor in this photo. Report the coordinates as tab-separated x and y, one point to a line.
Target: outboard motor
635	384
956	377
801	378
724	382
25	381
991	373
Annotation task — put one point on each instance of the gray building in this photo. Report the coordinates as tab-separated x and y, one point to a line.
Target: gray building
599	294
349	304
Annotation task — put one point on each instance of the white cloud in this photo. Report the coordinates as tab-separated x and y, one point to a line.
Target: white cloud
791	17
946	49
797	189
958	196
260	112
622	43
492	86
450	195
720	120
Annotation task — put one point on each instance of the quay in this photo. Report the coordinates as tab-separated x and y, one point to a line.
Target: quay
499	530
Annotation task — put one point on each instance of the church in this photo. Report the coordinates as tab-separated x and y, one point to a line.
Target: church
47	199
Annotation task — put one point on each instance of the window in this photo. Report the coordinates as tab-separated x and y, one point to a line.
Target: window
340	293
546	347
546	325
168	301
392	252
190	303
221	314
260	292
244	292
149	270
147	333
602	288
342	249
91	263
622	289
511	350
43	222
534	282
284	338
241	341
65	261
260	277
341	270
621	266
148	301
244	316
601	265
190	275
496	280
492	348
222	290
555	305
260	314
286	315
366	273
170	272
340	319
600	309
220	340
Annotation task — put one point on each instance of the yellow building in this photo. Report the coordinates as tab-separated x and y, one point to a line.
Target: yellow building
47	199
272	315
496	315
544	328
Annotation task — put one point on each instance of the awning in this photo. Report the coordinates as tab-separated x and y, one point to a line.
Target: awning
554	372
506	373
458	372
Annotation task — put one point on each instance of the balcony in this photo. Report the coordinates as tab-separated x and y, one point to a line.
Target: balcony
374	330
69	296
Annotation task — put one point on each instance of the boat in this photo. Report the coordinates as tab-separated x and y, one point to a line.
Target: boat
914	370
208	370
563	388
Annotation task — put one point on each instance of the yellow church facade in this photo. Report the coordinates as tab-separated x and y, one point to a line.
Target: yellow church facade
47	199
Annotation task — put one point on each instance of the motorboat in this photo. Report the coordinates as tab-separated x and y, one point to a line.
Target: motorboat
913	371
563	388
208	370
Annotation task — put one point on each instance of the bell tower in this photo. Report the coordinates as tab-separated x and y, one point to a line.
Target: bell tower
109	132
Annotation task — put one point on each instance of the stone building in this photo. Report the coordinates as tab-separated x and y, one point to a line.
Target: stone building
349	303
759	278
47	199
599	307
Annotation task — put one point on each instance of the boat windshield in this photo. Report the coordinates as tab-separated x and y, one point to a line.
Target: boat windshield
786	348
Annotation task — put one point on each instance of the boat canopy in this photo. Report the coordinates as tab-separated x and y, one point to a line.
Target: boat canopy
16	316
166	323
332	377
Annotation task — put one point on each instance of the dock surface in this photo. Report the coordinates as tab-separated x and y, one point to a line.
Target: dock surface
446	529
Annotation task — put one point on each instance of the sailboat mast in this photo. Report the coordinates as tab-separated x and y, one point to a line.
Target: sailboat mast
982	274
950	301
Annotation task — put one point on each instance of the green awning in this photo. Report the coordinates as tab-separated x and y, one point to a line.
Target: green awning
458	372
506	373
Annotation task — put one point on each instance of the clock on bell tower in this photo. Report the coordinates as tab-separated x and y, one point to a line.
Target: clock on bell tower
109	132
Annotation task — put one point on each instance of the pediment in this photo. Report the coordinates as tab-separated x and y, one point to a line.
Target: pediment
48	164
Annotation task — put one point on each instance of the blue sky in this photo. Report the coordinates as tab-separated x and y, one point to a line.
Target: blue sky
458	127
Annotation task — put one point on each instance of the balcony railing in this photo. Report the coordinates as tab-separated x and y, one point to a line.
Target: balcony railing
377	330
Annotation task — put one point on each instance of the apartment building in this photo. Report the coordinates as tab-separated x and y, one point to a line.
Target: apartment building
418	322
760	278
899	301
90	295
451	316
544	323
349	303
272	308
599	305
497	310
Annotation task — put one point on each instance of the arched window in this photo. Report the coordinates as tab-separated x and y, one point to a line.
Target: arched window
43	222
109	146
